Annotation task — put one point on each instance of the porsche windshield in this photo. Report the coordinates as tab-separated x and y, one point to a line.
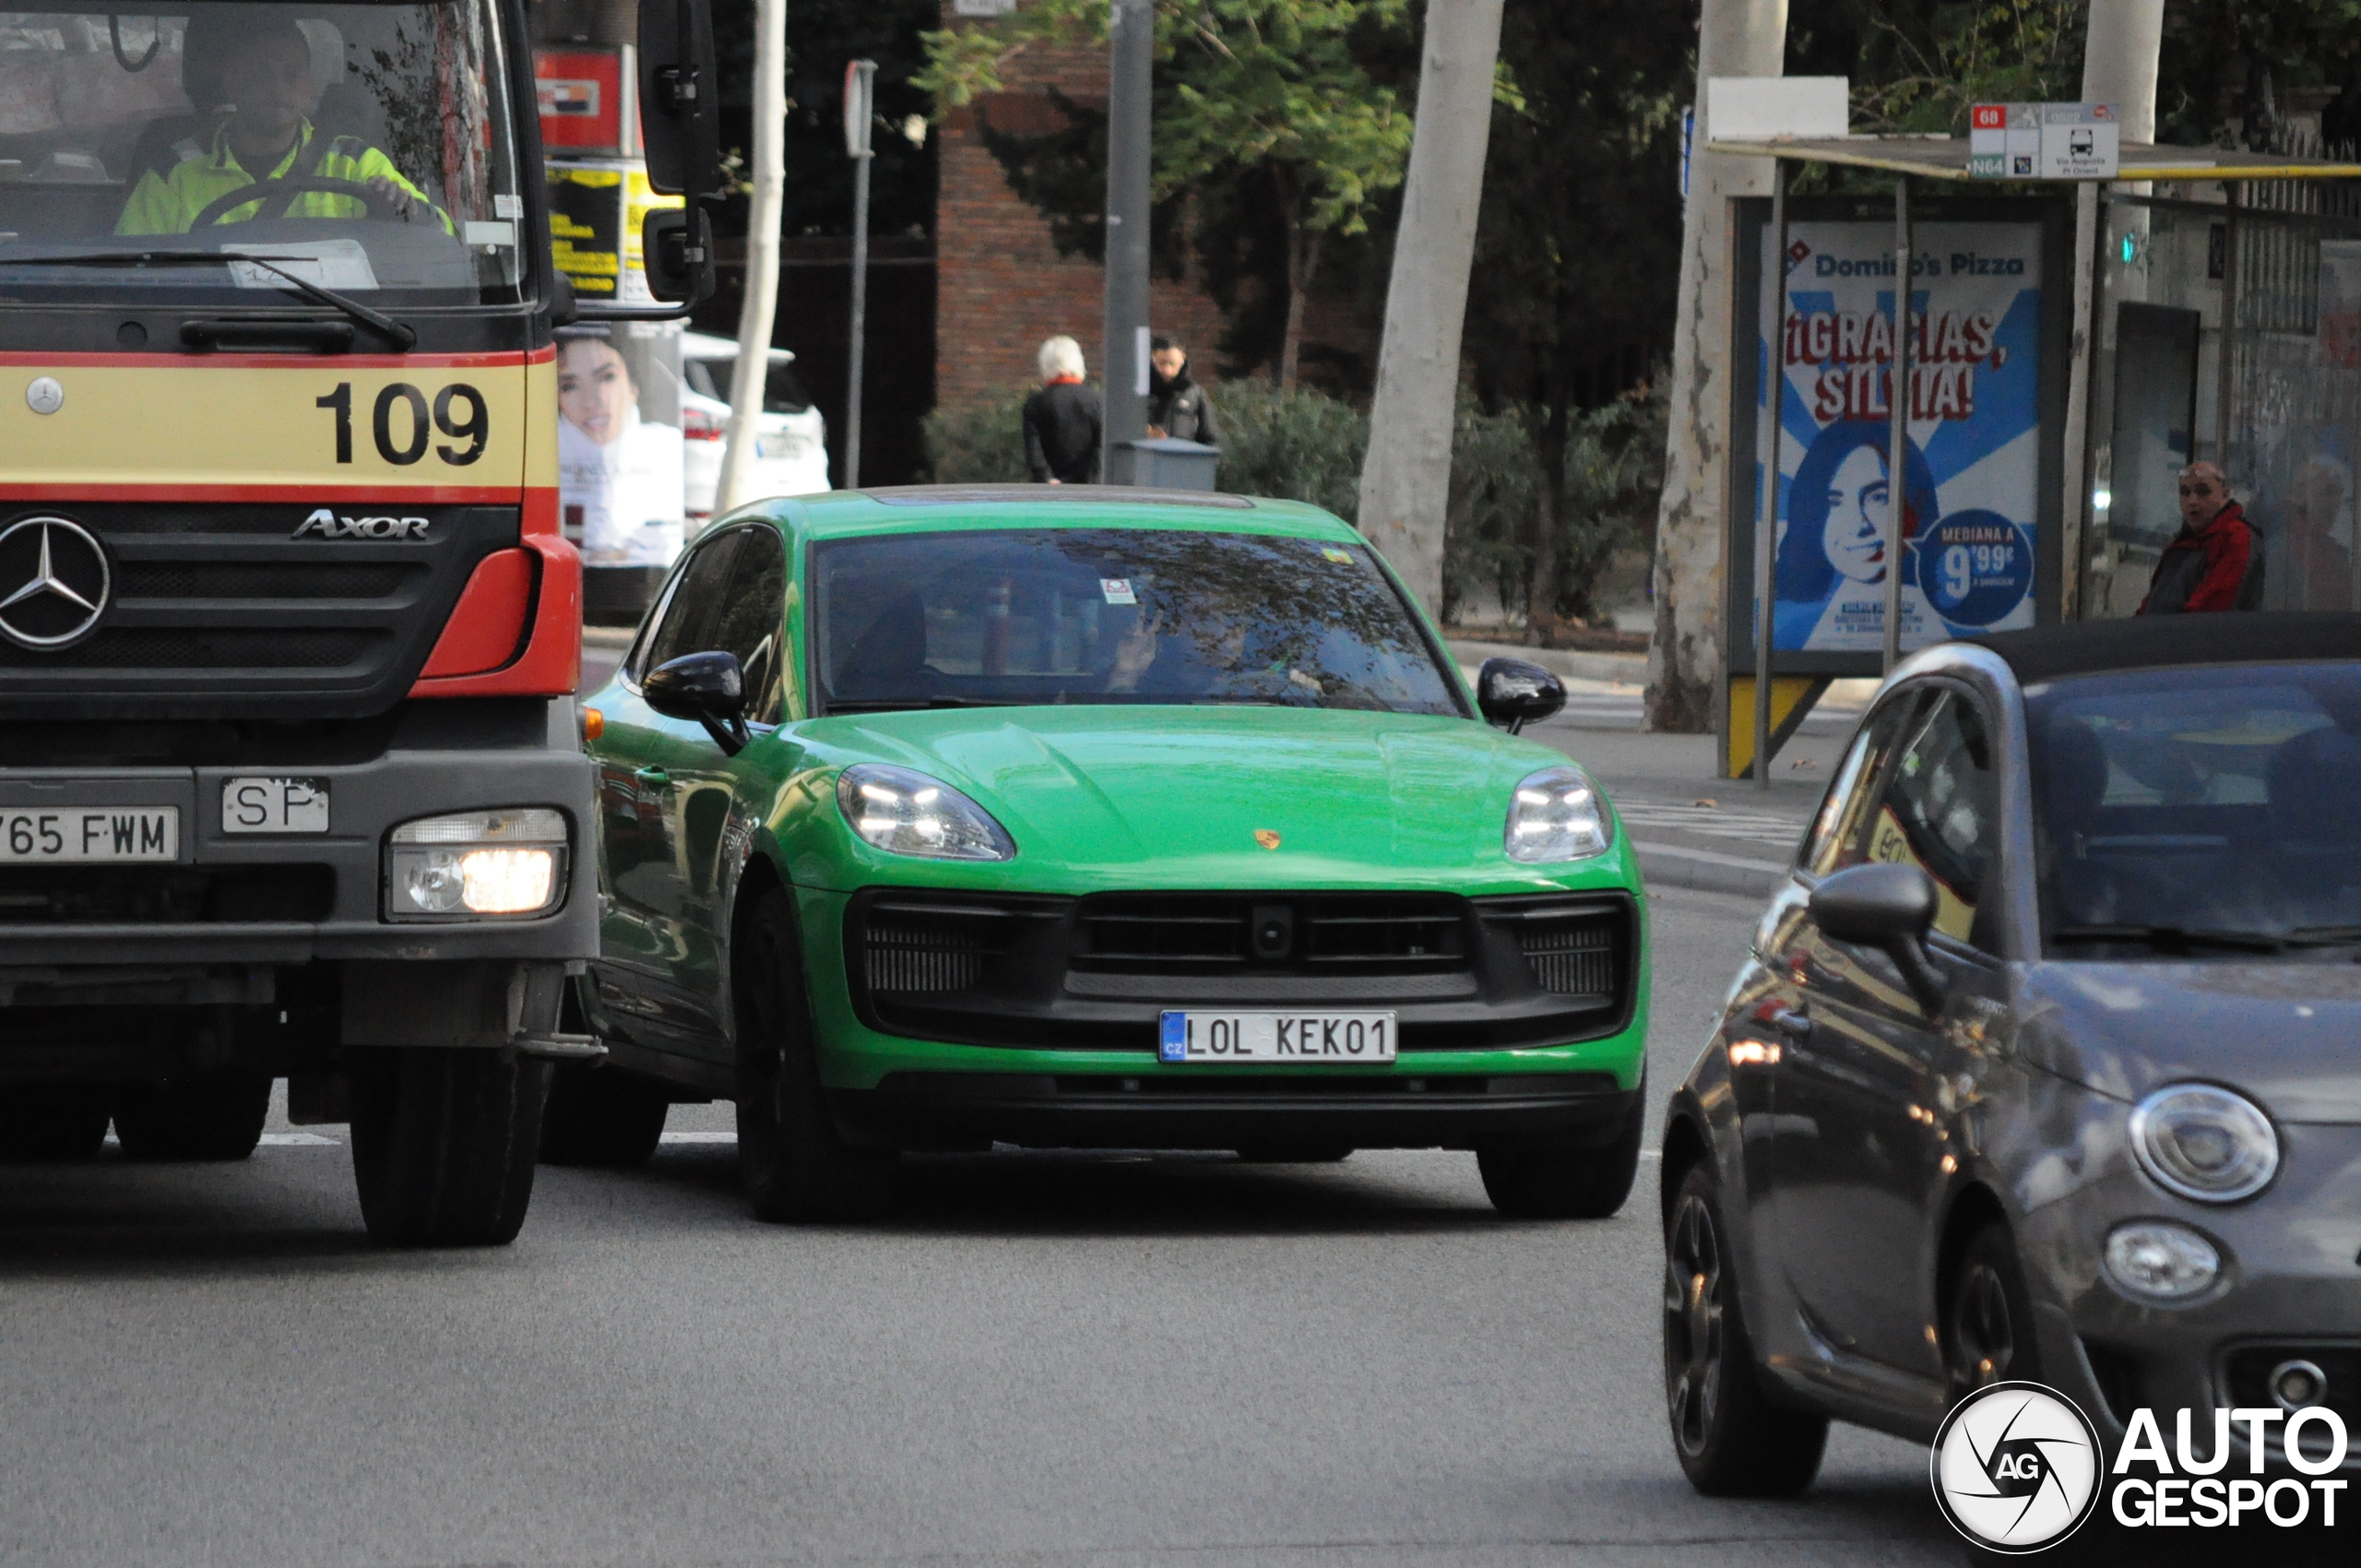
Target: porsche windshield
366	148
1114	615
2211	810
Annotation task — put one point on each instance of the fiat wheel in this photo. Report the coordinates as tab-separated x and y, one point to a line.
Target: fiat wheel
1988	1317
1731	1441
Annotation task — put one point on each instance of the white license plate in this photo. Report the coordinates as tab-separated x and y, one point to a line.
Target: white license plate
70	833
1295	1037
778	446
274	805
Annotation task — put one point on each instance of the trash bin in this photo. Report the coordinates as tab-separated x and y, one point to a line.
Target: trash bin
1164	464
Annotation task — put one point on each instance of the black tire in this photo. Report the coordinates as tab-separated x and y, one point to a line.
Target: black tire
1988	1315
1296	1154
1567	1184
53	1123
444	1141
795	1165
217	1117
1730	1440
602	1116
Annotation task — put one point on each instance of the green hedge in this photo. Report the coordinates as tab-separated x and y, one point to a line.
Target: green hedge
1305	445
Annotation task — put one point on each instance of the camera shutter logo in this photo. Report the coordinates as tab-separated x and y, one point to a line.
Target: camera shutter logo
2016	1467
55	581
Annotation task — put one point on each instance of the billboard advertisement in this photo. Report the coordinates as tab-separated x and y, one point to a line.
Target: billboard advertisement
1972	479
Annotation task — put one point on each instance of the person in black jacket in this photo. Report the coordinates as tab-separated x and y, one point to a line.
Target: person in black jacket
1176	406
1064	423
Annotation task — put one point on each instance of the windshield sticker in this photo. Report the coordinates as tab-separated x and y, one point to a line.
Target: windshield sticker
1117	590
1342	557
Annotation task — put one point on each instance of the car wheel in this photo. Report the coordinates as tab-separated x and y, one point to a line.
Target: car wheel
218	1117
444	1141
1731	1441
53	1123
1588	1183
1295	1153
602	1116
794	1163
1988	1321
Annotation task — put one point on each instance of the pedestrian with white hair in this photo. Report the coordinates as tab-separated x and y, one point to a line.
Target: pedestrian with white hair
1064	421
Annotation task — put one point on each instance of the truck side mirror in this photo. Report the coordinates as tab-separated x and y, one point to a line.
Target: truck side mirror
706	687
679	99
678	244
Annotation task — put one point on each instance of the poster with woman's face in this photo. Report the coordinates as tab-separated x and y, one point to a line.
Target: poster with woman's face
1971	479
619	460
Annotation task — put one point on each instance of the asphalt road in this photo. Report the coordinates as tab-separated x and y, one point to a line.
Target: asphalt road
1044	1360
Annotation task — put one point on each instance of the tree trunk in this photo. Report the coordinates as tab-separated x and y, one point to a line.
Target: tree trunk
755	313
1548	517
1303	262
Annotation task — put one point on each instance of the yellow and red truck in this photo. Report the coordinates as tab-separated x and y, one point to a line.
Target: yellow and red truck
291	782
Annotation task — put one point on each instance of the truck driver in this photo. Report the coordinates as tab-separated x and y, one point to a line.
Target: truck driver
256	68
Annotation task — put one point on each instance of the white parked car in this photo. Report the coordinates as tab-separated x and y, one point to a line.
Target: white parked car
790	441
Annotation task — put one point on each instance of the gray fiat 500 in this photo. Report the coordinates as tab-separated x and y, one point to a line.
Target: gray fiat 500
2046	1061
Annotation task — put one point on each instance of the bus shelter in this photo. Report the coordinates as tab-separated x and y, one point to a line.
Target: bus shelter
2067	351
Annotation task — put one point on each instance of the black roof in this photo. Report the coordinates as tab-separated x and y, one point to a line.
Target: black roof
2083	647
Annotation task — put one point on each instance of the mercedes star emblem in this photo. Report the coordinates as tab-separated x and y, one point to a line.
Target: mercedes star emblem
54	582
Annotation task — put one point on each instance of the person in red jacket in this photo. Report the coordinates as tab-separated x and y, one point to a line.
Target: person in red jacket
2215	562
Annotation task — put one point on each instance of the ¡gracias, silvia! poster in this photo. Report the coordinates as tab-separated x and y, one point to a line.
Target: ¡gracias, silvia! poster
1972	470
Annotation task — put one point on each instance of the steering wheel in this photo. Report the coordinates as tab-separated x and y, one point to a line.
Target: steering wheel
267	191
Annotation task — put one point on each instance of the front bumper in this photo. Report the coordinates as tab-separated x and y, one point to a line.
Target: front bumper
1235	1110
2290	1287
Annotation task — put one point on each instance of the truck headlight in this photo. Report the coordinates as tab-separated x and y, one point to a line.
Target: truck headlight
905	812
2204	1143
510	862
1556	814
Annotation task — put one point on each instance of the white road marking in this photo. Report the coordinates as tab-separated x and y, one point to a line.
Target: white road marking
700	1137
301	1140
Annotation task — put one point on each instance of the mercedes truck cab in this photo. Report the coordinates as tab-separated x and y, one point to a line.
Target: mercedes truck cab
291	781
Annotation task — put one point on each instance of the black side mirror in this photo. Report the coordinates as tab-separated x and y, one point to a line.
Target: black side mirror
678	244
1889	907
680	98
707	687
1513	693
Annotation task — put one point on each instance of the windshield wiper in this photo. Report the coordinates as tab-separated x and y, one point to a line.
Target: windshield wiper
2174	938
401	336
913	705
2325	936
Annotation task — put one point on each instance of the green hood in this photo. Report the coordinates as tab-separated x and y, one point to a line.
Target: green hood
1173	796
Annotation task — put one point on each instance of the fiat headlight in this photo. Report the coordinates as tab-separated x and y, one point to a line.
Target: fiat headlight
905	813
2159	1261
1556	815
2204	1143
509	862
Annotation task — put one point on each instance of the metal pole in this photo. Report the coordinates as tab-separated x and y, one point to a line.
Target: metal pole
859	314
1897	465
1129	122
1766	516
2232	190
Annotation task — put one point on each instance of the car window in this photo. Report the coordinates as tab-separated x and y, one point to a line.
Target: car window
783	390
747	621
1939	809
2216	799
1026	616
1840	835
689	607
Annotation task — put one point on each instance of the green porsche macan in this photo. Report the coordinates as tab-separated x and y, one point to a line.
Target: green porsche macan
1090	818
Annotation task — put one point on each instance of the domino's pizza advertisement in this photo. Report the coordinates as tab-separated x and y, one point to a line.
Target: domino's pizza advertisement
1972	466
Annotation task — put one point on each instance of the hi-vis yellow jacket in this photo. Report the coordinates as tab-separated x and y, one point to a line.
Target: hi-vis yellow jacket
168	204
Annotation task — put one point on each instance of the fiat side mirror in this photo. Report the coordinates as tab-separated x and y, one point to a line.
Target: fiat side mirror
1513	694
707	687
1892	908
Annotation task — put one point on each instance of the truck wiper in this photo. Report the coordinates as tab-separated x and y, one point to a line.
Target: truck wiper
400	334
2174	938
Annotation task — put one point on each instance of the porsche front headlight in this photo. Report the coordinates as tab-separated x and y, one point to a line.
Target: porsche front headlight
904	811
1556	815
2204	1143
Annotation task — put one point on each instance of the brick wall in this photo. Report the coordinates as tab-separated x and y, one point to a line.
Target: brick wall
1001	285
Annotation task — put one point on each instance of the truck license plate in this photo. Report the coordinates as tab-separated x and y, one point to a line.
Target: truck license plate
1294	1038
274	805
76	834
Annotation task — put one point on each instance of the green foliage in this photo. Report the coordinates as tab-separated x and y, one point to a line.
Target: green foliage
1299	446
1987	51
979	442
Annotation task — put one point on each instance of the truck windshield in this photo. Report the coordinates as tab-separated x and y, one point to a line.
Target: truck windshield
2211	810
366	147
1020	617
